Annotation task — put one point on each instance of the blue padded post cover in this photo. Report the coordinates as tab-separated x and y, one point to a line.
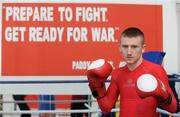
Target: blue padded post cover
154	56
45	105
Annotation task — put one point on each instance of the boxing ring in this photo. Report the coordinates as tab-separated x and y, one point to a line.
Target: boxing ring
172	78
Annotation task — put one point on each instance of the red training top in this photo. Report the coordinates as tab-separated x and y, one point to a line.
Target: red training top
131	105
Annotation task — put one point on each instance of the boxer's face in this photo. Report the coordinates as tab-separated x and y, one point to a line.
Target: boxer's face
131	49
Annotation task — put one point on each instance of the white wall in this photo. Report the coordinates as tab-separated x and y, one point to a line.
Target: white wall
178	42
178	21
170	39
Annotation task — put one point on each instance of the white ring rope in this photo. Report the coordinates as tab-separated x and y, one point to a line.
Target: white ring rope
57	111
77	111
49	101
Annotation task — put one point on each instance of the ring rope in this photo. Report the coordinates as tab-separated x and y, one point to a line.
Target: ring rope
78	111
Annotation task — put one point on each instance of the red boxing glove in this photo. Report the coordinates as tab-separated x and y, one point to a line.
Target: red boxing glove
148	85
97	74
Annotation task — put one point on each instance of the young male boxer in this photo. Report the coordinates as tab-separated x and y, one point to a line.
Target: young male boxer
141	85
